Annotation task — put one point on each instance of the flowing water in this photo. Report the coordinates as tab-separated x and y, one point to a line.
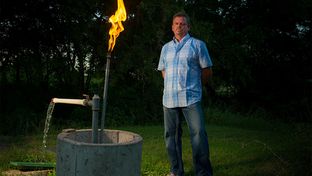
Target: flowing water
47	124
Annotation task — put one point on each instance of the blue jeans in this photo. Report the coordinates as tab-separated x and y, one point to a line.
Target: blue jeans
194	117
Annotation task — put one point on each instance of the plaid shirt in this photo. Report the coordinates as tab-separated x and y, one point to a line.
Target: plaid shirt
183	62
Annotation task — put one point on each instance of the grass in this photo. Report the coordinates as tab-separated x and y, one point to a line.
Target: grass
239	145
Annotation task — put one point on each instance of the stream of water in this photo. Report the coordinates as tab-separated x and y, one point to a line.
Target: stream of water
47	124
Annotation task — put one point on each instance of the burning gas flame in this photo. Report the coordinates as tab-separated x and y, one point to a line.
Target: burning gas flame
120	15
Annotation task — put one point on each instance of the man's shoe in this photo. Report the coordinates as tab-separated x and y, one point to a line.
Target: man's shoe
171	174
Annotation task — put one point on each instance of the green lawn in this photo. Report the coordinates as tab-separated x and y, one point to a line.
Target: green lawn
239	146
235	151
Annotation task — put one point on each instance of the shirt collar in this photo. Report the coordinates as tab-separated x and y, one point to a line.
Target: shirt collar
186	37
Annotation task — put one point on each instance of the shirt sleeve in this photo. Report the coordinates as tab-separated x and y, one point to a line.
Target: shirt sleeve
161	64
203	55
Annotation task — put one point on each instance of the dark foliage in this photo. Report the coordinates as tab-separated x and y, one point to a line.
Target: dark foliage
49	48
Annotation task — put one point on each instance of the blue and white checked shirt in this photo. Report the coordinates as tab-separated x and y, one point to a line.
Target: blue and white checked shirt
183	62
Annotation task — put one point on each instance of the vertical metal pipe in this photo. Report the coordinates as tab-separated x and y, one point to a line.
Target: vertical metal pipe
95	118
108	57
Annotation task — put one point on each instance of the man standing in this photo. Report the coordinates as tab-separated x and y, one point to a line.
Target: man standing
185	66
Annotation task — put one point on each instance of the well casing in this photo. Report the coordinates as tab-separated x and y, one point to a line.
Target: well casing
118	155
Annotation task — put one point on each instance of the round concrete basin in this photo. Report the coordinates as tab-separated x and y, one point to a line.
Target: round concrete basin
119	154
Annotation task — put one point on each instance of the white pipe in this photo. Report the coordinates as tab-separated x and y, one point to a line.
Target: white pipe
69	101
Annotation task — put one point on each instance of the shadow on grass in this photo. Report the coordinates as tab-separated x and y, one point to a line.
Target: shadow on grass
252	167
190	172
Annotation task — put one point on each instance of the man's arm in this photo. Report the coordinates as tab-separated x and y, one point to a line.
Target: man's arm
206	75
206	81
163	73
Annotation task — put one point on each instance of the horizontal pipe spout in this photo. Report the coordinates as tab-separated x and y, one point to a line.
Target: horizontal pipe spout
82	102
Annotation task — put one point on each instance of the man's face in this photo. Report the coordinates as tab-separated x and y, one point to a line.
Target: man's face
180	27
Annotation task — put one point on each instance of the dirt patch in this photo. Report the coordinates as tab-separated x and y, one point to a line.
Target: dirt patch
24	173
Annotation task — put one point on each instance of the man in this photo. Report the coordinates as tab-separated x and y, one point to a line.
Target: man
185	66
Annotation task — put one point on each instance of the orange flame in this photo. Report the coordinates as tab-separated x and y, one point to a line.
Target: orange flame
117	27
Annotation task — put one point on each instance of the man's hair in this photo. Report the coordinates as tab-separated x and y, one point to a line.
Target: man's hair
182	14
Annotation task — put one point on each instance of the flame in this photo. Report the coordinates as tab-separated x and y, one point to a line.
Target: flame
117	27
